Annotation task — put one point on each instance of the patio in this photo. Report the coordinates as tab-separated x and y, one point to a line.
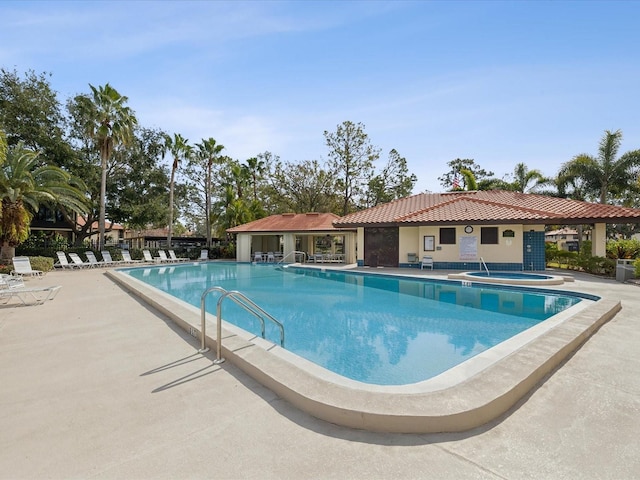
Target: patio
97	384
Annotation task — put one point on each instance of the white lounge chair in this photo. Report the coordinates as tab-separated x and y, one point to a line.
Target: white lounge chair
257	257
8	282
22	267
427	261
204	254
30	296
75	258
172	256
63	262
126	257
271	258
93	261
147	256
106	258
163	257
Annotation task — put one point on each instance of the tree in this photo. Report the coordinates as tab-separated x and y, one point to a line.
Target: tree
25	185
302	187
393	182
180	149
256	168
527	181
604	175
108	122
351	159
456	166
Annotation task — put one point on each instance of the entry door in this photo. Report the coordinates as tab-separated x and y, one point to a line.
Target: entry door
381	247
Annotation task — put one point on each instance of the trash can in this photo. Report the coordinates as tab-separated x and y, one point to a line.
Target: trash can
624	272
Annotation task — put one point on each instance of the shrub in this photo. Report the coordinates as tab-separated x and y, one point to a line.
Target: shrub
636	265
626	248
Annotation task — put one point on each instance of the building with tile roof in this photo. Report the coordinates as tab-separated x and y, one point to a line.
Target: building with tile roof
295	236
460	229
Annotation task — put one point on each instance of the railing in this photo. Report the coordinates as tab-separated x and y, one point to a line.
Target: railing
295	252
485	266
241	300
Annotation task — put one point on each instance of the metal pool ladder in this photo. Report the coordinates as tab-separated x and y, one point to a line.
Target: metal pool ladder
485	266
243	301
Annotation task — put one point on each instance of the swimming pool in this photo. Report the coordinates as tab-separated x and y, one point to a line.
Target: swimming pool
375	329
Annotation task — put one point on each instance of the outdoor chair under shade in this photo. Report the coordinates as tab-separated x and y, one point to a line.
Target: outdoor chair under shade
427	261
63	262
172	256
126	257
257	257
75	258
22	267
271	258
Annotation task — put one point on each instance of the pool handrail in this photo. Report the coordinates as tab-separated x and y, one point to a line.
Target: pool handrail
485	266
295	252
241	300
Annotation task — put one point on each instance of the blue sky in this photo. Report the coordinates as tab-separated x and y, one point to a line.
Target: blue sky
499	82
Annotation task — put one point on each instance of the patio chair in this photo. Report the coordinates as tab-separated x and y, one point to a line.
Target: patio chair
106	258
204	254
93	261
38	295
147	256
8	282
126	257
63	262
162	255
22	267
427	261
271	258
172	256
75	258
412	258
257	257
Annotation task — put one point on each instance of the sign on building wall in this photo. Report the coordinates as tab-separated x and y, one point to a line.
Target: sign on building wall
469	248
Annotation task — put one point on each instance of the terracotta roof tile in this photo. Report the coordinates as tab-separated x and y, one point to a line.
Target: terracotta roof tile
290	222
486	206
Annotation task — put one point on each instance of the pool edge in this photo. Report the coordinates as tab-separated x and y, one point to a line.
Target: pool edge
467	405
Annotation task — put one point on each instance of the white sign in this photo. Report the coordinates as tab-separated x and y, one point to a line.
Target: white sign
468	248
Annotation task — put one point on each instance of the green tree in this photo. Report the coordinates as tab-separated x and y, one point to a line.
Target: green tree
108	122
256	168
604	176
351	160
455	171
393	182
180	149
527	181
25	185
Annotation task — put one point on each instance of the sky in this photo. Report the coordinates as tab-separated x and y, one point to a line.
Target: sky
499	82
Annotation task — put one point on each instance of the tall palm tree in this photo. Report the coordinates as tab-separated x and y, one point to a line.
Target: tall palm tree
180	149
604	174
25	184
256	169
527	181
108	122
208	151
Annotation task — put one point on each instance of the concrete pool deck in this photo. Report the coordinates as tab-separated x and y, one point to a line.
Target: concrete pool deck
95	384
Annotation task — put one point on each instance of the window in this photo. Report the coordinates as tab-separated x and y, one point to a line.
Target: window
447	236
489	235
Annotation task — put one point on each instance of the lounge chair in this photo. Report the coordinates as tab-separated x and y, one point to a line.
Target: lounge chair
126	257
75	258
172	256
37	295
93	261
271	258
204	254
22	267
8	282
63	262
427	261
106	258
163	257
257	257
147	257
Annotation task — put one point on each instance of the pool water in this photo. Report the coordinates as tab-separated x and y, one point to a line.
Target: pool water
375	329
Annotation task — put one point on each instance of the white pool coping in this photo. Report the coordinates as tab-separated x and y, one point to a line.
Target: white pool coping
466	396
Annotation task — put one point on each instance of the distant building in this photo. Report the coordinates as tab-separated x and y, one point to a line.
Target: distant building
566	238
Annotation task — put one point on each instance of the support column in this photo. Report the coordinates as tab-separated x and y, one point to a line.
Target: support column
599	240
243	248
288	246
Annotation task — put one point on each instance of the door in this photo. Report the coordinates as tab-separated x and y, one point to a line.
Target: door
381	246
533	251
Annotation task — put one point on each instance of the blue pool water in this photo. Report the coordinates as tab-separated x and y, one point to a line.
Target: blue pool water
372	328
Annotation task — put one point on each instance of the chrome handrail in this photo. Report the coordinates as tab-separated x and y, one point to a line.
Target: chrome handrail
304	256
241	300
485	266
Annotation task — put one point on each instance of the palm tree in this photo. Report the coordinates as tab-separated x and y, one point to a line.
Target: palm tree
208	151
180	149
604	175
256	168
25	184
108	122
523	177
